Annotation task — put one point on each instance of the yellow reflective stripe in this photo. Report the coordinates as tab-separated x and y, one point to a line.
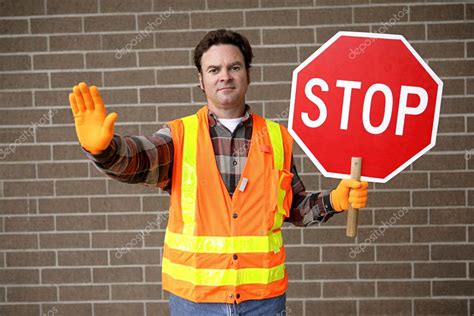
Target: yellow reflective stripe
278	215
277	144
219	277
189	175
219	244
278	156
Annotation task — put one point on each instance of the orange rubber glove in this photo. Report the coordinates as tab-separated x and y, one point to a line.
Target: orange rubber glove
349	191
94	130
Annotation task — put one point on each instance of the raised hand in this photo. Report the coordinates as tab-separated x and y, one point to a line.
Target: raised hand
94	129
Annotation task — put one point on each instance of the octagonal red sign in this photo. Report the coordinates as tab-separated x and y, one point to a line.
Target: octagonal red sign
365	95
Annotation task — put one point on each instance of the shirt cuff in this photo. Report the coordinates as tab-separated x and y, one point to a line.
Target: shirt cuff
105	155
321	211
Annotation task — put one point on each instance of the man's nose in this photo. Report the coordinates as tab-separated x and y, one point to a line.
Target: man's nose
225	75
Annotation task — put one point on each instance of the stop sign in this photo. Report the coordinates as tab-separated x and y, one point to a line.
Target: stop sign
364	95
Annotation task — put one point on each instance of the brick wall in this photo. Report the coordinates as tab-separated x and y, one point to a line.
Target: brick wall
61	222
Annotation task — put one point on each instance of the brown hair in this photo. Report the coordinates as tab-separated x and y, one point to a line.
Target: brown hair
223	36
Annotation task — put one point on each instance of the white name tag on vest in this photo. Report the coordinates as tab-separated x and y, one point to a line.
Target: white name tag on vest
243	184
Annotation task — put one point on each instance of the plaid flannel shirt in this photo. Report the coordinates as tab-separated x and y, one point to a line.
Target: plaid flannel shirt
149	159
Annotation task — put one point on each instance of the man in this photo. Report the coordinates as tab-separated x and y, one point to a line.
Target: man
232	181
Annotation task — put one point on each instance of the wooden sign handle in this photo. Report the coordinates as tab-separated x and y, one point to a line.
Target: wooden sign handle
352	213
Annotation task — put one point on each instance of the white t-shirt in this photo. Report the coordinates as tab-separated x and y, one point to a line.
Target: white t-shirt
232	123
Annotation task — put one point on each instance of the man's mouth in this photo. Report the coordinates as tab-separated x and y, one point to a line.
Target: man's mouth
226	89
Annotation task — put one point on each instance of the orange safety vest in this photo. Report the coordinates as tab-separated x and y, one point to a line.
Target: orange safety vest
219	248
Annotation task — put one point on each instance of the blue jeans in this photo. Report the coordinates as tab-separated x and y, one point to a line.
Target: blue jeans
274	306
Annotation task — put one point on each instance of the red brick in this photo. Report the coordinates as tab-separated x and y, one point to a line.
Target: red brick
62	276
27	7
326	236
74	42
136	292
110	60
450	31
388	14
328	307
58	61
329	271
385	307
119	309
17	241
117	275
344	254
18	206
125	6
402	253
403	288
271	18
453	288
67	309
237	4
16	99
303	289
20	309
135	257
212	20
19	276
29	224
109	23
163	21
436	270
452	252
439	234
457	216
83	293
437	12
31	294
69	79
63	205
80	222
61	7
117	240
384	271
82	258
440	306
350	289
56	25
33	259
287	36
435	198
24	80
80	187
15	62
325	16
61	240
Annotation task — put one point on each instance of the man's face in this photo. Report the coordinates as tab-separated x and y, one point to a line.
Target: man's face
224	77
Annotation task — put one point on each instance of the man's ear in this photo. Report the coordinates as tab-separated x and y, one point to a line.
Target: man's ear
201	84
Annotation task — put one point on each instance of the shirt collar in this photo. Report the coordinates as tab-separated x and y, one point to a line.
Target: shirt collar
213	119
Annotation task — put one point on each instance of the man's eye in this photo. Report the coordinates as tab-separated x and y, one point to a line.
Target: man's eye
236	68
212	70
